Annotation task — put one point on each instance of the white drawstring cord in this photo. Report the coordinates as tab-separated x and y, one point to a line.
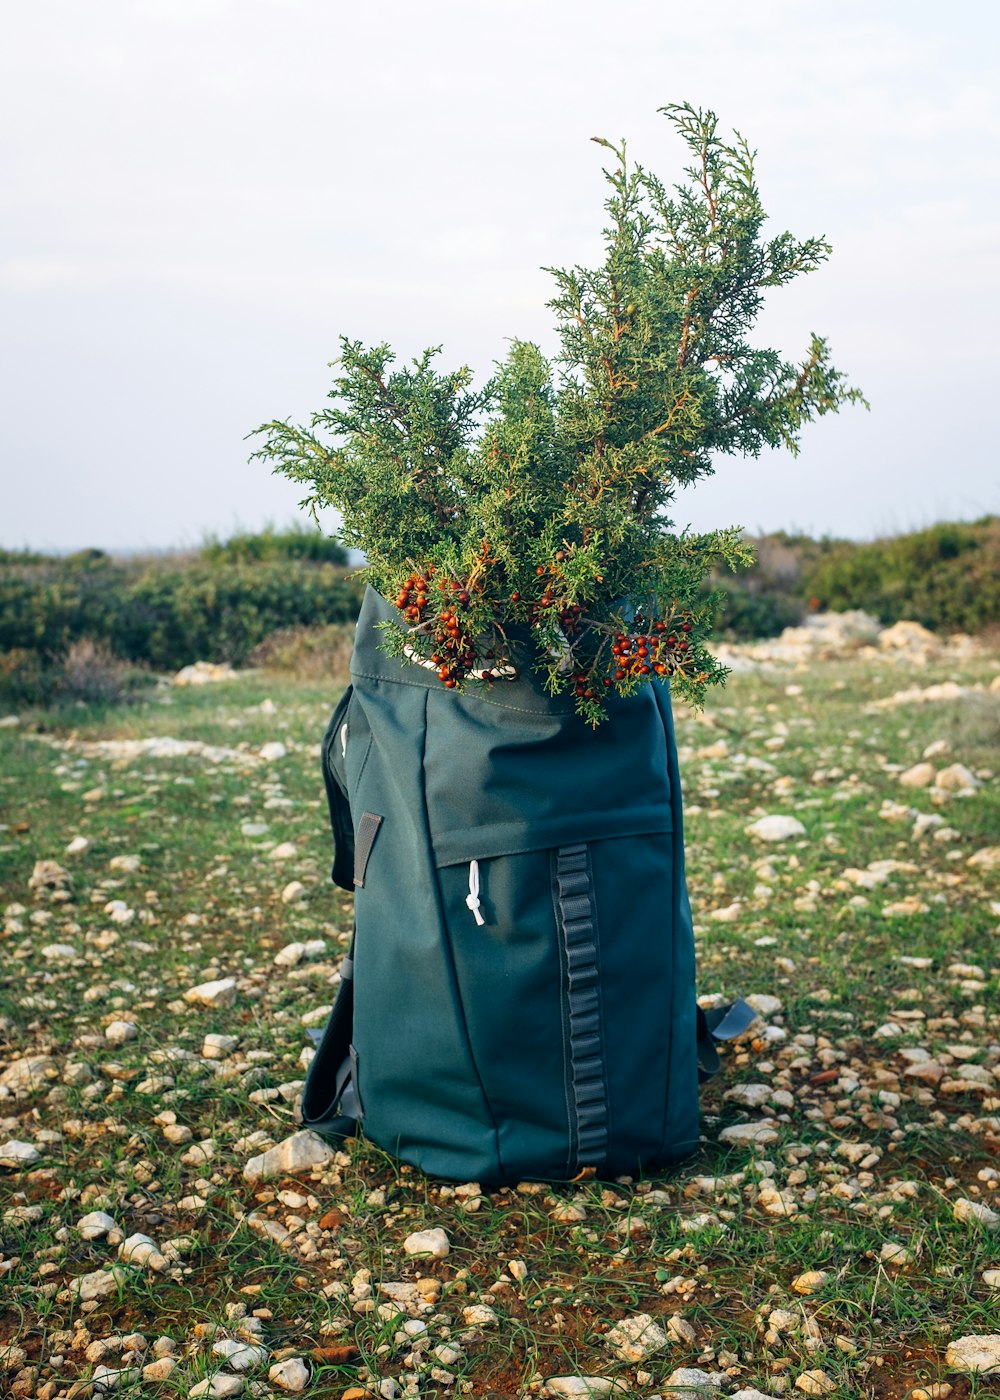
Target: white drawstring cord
472	899
343	739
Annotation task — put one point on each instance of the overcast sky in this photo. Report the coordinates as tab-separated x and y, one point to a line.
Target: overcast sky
199	196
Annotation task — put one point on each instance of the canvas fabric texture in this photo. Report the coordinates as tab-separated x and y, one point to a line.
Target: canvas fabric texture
520	998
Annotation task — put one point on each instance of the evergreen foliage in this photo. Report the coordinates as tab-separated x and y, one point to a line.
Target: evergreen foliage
527	521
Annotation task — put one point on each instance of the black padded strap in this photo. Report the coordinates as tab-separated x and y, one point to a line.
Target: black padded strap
589	1097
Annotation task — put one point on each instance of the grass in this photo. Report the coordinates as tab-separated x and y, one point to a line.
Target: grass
864	1157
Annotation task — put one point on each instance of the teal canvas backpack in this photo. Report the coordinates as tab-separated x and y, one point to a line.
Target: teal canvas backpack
519	1000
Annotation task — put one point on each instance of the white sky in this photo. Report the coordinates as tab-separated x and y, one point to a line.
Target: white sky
199	196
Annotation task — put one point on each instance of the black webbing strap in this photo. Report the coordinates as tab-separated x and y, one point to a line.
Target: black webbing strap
364	840
589	1096
721	1023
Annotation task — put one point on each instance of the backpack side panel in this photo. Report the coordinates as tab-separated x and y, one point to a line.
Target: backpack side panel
416	1081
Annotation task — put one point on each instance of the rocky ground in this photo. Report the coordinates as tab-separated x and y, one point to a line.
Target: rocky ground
169	938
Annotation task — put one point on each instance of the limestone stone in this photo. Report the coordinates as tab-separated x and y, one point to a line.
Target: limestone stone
749	1135
579	1387
975	1355
957	778
221	992
14	1154
635	1338
920	775
217	1387
298	1153
95	1225
28	1074
140	1249
433	1242
975	1213
292	1374
776	828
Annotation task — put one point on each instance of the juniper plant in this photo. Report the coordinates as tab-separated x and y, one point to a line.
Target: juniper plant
526	522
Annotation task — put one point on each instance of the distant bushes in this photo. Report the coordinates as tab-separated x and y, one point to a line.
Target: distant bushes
284	600
946	577
216	605
302	543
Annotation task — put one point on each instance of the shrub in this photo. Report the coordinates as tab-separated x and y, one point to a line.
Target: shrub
298	542
946	577
24	678
309	653
91	672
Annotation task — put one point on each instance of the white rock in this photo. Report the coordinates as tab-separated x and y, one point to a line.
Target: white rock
106	1379
763	1004
635	1338
691	1383
255	828
199	1153
77	846
217	1047
298	1153
680	1330
118	1032
776	828
141	1250
287	850
974	1213
95	1225
750	1095
293	892
433	1242
160	1370
101	1283
991	1277
579	1387
221	992
975	1355
28	1075
294	953
749	1135
49	875
920	775
480	1315
272	751
750	1393
815	1383
810	1282
16	1154
896	1256
217	1387
292	1374
241	1356
957	778
59	952
728	914
128	864
204	673
988	858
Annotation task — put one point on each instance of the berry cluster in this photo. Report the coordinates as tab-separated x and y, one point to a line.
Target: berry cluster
658	651
452	640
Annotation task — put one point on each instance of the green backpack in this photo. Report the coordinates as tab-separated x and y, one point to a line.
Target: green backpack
519	1000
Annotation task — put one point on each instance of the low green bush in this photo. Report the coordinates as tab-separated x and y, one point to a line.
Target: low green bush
946	577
